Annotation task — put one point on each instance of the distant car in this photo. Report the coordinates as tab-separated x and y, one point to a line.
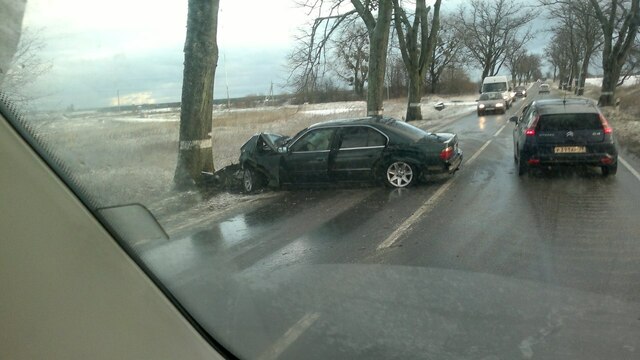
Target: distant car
349	150
563	132
491	101
544	89
521	91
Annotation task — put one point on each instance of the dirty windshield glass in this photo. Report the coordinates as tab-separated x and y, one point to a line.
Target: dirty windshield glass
411	225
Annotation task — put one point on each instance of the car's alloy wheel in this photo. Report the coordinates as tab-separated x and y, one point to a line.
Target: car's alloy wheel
250	180
400	174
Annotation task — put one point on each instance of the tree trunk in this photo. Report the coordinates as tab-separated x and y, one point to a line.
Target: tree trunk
195	154
414	112
609	84
379	41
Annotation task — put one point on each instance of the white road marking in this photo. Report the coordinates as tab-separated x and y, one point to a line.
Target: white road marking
426	207
499	130
633	171
430	203
289	337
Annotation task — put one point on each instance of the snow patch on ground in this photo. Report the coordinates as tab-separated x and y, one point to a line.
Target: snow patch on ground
633	80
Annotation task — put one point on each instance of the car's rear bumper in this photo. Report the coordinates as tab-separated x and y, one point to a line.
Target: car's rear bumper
448	167
599	159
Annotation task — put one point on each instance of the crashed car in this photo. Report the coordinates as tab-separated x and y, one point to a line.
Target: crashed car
352	150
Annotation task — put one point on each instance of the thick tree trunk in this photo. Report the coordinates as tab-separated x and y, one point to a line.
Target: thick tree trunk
195	154
379	41
609	84
414	112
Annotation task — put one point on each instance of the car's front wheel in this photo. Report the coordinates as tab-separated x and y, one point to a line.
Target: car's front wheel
251	180
400	174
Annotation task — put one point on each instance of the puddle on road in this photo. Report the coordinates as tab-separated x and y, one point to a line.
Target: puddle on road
234	230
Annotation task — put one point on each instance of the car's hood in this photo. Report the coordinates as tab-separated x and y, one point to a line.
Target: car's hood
338	311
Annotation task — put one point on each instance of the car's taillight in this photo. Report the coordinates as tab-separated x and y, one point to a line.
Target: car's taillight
447	153
531	130
605	125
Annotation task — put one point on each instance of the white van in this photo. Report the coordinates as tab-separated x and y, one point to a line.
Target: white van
500	84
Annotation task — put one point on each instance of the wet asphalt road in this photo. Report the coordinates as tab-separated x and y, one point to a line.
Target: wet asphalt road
566	227
277	279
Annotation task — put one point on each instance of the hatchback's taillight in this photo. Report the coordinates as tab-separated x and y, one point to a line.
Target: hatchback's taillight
531	130
605	125
447	153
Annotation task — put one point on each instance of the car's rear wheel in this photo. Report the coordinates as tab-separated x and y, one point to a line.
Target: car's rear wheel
521	164
251	180
400	174
610	169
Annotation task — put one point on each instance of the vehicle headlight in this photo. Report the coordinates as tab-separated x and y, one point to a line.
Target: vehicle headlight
499	105
481	106
524	92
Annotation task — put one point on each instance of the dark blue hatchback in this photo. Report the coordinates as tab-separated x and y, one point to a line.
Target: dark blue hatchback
563	132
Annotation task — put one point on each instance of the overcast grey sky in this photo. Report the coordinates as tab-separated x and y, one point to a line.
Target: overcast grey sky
133	48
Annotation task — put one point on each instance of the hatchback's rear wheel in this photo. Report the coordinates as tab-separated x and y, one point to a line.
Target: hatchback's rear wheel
610	169
522	165
400	174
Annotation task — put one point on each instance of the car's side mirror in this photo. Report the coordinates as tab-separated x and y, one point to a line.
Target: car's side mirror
283	149
513	119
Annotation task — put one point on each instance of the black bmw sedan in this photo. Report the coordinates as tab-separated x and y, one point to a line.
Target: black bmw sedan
352	150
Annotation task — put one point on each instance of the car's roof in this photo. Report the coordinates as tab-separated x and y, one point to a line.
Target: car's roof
354	121
563	106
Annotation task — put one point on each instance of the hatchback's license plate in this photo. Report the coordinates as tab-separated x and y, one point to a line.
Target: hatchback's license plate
569	149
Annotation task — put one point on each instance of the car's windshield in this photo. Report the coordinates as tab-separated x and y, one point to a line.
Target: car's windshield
494	87
403	219
566	122
491	96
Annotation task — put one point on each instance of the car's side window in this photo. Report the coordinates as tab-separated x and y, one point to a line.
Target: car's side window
529	118
375	138
354	137
361	136
314	140
525	113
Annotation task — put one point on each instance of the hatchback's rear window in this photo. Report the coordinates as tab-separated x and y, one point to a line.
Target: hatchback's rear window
565	122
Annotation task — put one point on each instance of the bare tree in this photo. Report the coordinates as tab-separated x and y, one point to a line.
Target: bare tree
11	15
376	15
26	67
577	19
446	53
490	30
416	43
352	57
560	56
195	154
619	21
632	65
514	61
